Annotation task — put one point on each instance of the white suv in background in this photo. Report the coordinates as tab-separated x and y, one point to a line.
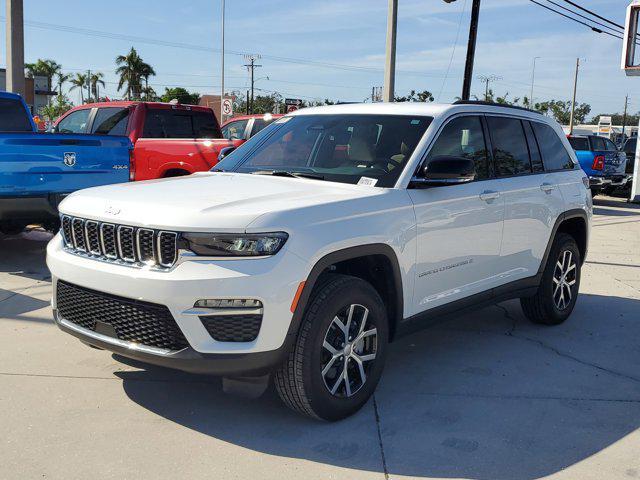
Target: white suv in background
322	239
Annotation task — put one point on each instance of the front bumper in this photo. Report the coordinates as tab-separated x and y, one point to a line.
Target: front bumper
187	360
272	280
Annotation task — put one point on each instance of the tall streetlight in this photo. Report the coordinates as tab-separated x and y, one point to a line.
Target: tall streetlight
222	73
533	77
471	50
390	57
15	47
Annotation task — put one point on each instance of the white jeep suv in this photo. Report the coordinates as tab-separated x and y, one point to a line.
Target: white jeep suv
308	249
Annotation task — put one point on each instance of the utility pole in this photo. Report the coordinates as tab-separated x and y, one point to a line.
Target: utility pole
390	60
88	85
222	68
15	47
486	79
533	78
624	115
471	50
573	103
252	66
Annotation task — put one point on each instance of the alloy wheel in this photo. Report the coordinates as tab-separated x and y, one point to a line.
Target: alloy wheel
349	350
564	279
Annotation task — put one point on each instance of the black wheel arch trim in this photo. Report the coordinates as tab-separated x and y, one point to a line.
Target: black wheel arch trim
338	256
564	216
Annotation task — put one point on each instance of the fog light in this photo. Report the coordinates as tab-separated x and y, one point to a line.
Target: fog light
228	303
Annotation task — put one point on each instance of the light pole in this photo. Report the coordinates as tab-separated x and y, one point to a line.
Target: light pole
471	50
222	73
575	89
15	47
390	60
388	94
533	77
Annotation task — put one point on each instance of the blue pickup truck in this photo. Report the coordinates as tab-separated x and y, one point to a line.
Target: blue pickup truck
601	160
37	170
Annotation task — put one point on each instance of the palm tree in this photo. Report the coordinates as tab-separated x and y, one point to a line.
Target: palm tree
46	68
132	69
95	80
147	71
61	79
79	81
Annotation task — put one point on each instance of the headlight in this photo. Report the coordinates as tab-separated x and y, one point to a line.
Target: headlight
233	245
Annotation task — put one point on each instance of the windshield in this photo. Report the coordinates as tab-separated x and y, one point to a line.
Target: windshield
340	148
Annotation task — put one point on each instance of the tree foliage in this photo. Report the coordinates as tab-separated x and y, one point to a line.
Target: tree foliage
55	109
133	71
424	96
617	118
180	94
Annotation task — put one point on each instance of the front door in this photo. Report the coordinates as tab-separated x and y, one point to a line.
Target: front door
459	227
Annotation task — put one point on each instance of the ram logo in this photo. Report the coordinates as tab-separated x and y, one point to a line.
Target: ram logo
69	159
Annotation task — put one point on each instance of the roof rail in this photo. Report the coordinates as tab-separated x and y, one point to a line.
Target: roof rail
493	104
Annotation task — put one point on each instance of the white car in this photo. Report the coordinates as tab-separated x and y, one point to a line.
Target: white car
322	239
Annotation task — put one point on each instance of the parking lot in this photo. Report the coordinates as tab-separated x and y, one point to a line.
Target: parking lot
483	396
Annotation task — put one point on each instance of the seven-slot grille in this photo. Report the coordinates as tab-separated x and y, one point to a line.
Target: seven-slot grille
126	319
119	243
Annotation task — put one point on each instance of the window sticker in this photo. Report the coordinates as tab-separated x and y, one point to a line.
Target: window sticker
368	182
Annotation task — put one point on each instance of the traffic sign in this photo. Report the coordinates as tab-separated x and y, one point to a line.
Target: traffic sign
227	107
293	101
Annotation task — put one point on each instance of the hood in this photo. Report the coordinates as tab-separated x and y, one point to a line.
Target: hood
202	201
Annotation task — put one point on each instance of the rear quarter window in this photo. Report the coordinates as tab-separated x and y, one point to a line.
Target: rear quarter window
554	154
579	143
13	116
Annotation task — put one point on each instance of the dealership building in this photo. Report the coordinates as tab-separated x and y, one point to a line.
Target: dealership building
37	90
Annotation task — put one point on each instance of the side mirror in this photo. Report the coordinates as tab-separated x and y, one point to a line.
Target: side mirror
445	170
225	151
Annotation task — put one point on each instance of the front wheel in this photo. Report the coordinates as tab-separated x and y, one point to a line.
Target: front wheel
339	354
558	291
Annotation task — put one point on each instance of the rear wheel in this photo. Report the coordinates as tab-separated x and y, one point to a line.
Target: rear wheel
339	354
558	291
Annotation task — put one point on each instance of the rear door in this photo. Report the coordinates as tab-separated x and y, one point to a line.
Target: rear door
615	160
177	139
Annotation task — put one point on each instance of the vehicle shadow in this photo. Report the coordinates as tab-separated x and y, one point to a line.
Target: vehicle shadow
485	395
24	254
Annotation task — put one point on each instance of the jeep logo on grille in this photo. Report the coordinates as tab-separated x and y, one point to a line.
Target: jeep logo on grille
69	159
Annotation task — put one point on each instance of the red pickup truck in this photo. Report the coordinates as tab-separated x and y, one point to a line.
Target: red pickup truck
169	139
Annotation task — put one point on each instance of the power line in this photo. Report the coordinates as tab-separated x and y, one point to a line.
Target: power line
453	52
187	46
594	14
583	16
595	29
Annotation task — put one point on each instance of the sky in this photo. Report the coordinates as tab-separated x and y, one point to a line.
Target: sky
316	49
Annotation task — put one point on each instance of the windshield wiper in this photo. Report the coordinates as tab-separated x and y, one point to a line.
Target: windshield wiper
286	173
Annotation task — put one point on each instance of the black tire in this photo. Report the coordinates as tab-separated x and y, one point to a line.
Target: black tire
300	381
543	308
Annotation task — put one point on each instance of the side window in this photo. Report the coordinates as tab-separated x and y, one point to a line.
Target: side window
534	150
75	122
14	117
165	123
111	121
554	154
463	137
610	146
510	152
234	130
597	144
579	143
630	146
258	124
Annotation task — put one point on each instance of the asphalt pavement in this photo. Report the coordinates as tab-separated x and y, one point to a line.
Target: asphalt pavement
484	396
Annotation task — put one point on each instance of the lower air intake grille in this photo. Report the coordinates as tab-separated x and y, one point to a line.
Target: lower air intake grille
133	321
233	328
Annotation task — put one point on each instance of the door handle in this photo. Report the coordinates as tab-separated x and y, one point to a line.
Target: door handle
489	195
547	187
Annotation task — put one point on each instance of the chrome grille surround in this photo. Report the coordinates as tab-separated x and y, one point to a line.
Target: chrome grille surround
119	244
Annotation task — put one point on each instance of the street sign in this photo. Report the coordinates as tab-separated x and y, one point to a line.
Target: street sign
293	101
227	107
